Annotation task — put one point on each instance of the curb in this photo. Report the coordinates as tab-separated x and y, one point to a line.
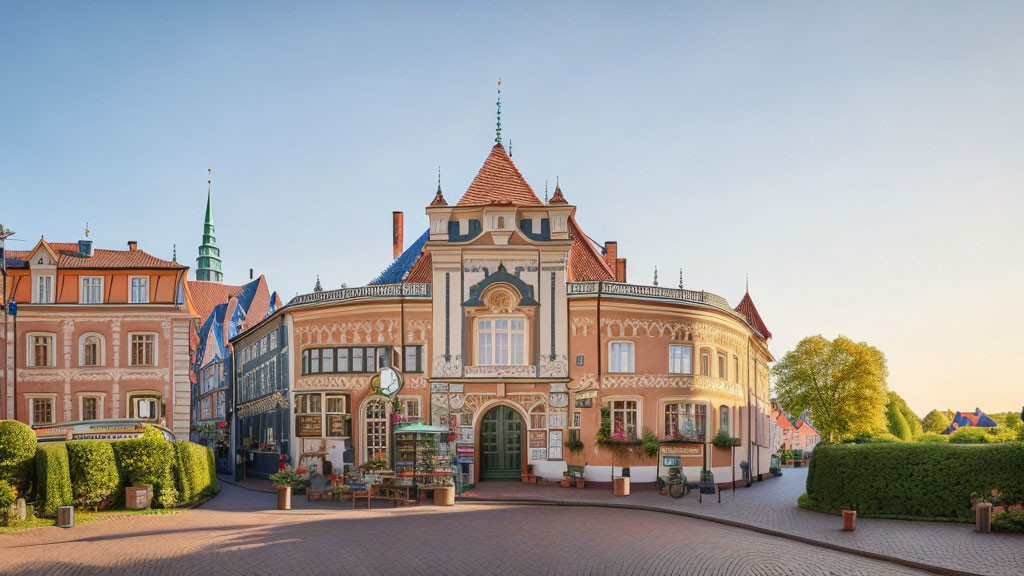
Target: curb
734	524
244	487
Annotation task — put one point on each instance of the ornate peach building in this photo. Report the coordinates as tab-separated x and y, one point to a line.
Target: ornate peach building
517	332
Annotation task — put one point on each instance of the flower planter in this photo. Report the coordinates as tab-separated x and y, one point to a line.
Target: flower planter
620	486
581	483
284	497
444	496
849	520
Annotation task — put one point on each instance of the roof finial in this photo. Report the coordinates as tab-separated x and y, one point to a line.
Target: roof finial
545	191
317	287
439	197
747	274
680	278
438	178
87	229
174	252
655	275
497	137
509	147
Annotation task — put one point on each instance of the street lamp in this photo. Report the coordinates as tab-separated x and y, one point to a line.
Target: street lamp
4	234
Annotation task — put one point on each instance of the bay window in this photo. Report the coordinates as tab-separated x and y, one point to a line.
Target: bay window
501	341
686	421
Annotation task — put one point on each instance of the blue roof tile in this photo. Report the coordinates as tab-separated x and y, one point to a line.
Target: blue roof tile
399	269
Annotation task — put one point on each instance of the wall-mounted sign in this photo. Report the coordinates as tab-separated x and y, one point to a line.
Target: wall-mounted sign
456	388
555	445
465	435
681	450
558	387
308	425
538	454
538	439
464	449
558	399
438	387
556	420
579	360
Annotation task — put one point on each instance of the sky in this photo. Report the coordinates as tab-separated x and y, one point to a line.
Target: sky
861	161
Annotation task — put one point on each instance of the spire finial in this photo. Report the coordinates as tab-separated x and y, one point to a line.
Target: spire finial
317	287
438	178
747	274
655	275
680	278
87	229
497	136
545	191
509	147
174	252
439	197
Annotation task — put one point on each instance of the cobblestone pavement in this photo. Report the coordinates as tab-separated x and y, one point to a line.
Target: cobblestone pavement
771	505
237	533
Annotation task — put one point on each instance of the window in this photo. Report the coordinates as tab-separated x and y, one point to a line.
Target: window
263	345
735	369
40	350
723	370
686	421
273	340
308	415
376	428
140	289
357	359
577	419
501	341
143	350
351	359
723	419
336	408
538	418
92	290
41	411
327	360
413	359
44	290
680	359
144	406
410	408
90	407
92	350
705	363
221	404
620	357
624	419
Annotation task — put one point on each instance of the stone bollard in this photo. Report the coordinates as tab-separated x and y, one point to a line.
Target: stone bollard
849	520
983	516
65	516
20	509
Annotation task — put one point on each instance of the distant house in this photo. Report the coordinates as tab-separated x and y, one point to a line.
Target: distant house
978	419
798	435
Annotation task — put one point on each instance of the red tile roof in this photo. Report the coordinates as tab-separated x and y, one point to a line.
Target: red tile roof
747	309
499	182
421	270
585	263
67	257
207	295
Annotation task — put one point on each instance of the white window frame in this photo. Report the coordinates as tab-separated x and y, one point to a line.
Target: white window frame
101	354
133	397
365	453
493	332
708	414
99	404
144	288
725	419
705	370
671	361
31	398
156	349
723	365
82	291
37	281
30	350
638	426
614	359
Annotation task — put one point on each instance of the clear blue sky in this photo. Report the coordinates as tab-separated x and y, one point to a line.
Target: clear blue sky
862	161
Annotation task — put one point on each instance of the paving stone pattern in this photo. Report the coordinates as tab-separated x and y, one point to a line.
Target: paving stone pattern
771	504
238	533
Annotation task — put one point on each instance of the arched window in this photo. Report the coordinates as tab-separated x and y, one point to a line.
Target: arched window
92	351
501	222
538	417
723	419
376	420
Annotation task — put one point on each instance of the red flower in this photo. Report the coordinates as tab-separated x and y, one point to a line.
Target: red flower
300	470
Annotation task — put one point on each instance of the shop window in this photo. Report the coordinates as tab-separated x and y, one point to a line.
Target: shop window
140	289
723	370
41	410
308	415
705	363
337	415
624	419
685	421
538	417
90	408
376	428
680	359
92	290
40	352
501	341
723	419
413	359
620	357
143	351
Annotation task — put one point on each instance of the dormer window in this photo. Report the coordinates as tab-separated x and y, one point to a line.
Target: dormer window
501	222
92	290
44	289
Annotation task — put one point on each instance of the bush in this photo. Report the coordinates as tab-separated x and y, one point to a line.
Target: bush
972	435
195	473
7	497
933	438
916	480
17	449
53	477
650	442
147	460
875	438
1011	520
93	471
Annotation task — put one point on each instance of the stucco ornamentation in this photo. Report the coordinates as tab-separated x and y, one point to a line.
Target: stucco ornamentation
680	381
354	332
502	371
417	330
333	382
581	325
557	367
447	369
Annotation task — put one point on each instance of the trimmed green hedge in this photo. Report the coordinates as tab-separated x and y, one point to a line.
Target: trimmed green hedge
928	481
17	450
53	478
147	460
94	473
194	472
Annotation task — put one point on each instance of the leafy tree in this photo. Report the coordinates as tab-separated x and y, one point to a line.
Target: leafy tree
900	419
840	383
1012	421
936	421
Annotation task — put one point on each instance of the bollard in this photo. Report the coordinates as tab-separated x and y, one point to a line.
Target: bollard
983	516
20	509
65	516
849	520
284	497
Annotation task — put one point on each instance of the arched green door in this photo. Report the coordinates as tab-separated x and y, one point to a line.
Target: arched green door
501	444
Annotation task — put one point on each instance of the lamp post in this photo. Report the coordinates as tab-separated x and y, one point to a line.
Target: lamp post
4	234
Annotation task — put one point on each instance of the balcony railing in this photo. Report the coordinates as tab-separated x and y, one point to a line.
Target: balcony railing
409	290
651	292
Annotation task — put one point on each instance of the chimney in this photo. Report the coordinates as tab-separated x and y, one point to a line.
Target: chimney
397	226
133	245
611	253
620	270
250	273
84	249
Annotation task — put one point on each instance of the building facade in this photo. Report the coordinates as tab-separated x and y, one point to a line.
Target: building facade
98	334
518	333
260	358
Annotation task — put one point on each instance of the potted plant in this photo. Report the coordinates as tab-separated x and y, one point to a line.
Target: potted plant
621	445
285	480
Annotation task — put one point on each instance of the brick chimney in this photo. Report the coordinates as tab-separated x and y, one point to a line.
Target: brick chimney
133	245
620	270
397	226
611	253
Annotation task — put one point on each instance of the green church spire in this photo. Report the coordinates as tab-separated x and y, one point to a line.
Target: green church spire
208	263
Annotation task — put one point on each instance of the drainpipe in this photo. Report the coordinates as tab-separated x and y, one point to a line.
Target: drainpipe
600	349
293	454
750	427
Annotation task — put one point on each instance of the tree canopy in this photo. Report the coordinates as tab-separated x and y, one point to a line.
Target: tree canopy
840	383
901	420
937	420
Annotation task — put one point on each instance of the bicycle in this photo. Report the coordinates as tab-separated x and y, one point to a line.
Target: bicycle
677	484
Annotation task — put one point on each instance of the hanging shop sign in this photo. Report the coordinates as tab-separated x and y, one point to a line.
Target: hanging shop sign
681	450
538	439
464	449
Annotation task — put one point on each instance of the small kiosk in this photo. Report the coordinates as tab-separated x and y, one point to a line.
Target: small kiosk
423	462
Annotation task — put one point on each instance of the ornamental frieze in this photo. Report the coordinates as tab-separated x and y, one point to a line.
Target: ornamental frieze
447	368
275	400
355	332
678	381
417	330
333	382
581	325
491	265
650	328
502	371
557	367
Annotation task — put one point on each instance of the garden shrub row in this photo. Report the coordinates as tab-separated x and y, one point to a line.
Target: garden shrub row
908	480
93	470
53	478
195	474
17	453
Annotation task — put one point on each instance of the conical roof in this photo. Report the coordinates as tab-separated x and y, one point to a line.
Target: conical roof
747	309
499	182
